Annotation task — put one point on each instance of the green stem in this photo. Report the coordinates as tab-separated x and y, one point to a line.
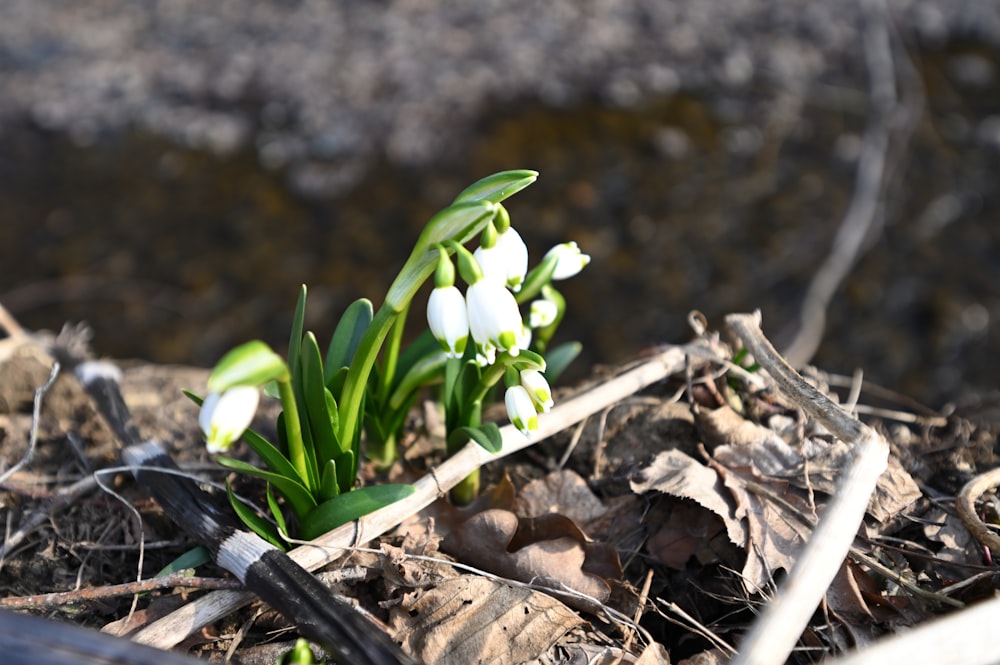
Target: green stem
472	416
293	431
392	356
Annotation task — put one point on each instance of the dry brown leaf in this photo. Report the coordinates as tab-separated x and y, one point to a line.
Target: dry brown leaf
958	545
471	619
775	537
563	492
680	529
675	473
549	550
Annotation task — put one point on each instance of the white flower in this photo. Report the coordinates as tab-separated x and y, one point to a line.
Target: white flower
448	319
521	410
494	319
225	416
543	312
538	389
506	261
571	260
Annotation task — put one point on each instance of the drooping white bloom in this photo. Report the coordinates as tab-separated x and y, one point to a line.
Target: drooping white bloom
494	318
225	416
538	389
543	312
571	260
521	410
448	319
506	261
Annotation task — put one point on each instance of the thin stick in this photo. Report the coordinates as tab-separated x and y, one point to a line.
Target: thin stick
965	504
775	633
173	628
180	579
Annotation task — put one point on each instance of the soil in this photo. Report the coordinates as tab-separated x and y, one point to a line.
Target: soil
86	544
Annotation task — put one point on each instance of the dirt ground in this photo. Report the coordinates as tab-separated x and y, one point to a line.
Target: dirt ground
683	505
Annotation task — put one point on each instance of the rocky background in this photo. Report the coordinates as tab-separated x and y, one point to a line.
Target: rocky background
171	171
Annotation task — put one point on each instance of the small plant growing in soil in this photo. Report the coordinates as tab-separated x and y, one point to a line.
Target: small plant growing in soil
365	384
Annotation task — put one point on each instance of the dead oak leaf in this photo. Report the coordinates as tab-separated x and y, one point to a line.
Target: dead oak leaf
548	550
677	474
472	619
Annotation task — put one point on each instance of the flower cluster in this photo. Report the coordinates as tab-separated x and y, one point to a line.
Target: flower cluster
498	279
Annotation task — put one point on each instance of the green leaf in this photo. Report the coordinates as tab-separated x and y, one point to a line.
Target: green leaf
497	187
415	351
250	364
537	278
347	335
422	373
298	497
487	435
314	391
328	487
350	506
255	522
193	558
279	517
347	469
295	339
273	458
559	358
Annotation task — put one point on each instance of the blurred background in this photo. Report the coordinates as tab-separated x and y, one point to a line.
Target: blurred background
171	171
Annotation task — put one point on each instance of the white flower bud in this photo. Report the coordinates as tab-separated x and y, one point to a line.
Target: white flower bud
225	416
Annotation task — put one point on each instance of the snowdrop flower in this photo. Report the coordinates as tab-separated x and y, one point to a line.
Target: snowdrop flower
448	319
538	389
570	260
506	260
225	416
494	318
543	312
521	410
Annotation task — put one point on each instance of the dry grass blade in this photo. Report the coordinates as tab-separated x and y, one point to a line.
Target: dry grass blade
172	629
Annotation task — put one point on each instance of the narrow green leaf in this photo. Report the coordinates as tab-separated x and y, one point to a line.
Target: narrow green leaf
497	187
347	469
193	558
415	351
559	358
328	487
487	436
295	339
194	397
429	369
249	364
314	391
273	458
254	522
298	497
350	506
276	513
347	335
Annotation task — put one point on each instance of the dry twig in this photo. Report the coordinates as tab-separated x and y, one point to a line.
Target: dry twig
775	633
